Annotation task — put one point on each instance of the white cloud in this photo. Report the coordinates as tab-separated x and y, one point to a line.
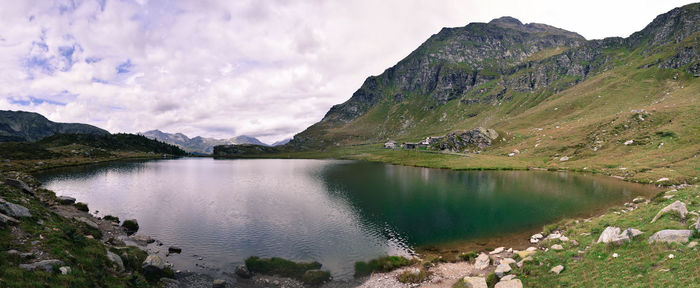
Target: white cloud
219	68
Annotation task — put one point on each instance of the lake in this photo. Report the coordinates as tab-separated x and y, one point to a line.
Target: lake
332	211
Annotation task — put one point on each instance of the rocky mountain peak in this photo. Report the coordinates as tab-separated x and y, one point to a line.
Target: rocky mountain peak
506	21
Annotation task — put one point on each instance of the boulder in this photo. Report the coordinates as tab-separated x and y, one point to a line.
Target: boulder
65	200
65	270
142	240
475	282
19	184
502	269
677	207
87	222
45	265
515	283
23	255
243	272
497	250
563	159
153	264
557	247
522	262
525	253
613	235
536	238
557	269
482	261
671	236
13	210
174	249
116	260
508	261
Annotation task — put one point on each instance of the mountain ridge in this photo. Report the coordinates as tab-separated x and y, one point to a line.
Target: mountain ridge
22	126
198	144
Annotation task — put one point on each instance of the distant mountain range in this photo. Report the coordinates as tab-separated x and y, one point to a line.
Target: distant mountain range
200	145
20	126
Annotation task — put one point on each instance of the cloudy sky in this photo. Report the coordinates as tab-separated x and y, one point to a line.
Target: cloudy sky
222	68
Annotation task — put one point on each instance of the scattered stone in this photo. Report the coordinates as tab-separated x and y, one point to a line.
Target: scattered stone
65	200
670	256
7	220
65	270
508	261
531	249
482	261
19	184
668	196
45	265
615	255
515	283
613	235
475	282
116	242
565	158
629	142
502	269
153	263
508	277
142	240
243	272
662	179
219	283
677	207
116	260
88	222
13	210
174	249
557	247
497	250
692	244
534	239
564	238
557	269
671	236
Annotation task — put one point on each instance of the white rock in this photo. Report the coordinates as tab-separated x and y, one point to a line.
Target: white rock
531	249
677	207
482	261
508	277
515	283
557	269
557	247
508	261
564	238
671	236
670	256
65	270
475	282
497	250
692	244
565	158
628	142
615	255
662	179
502	269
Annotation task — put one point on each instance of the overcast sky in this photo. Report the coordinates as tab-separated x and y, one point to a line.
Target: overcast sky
267	69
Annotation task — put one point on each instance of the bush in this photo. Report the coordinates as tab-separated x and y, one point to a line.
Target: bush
409	276
305	271
111	218
468	256
131	226
381	264
81	206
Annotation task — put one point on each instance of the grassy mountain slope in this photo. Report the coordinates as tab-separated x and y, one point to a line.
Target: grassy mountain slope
582	99
19	126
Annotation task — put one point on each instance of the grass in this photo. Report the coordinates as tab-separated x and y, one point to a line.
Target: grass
381	264
307	272
410	276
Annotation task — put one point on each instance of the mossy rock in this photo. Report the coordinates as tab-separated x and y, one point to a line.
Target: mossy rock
316	277
81	206
131	226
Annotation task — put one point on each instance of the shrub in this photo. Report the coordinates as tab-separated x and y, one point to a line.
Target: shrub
468	256
381	264
81	206
131	226
410	276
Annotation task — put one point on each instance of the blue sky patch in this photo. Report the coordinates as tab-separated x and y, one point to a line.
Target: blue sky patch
124	67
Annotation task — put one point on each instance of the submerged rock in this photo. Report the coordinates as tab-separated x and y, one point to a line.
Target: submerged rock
174	249
677	207
219	283
671	236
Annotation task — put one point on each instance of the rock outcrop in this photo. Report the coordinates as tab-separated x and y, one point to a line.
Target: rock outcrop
613	235
460	140
677	207
671	236
13	210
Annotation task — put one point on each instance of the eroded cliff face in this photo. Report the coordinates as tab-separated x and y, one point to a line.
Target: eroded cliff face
489	63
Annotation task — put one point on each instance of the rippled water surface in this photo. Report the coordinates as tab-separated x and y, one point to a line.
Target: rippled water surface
331	211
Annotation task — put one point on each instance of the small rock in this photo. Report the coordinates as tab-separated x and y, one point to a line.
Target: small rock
677	207
565	158
613	235
475	282
174	249
116	260
243	272
557	247
65	200
670	256
219	283
45	265
515	283
557	269
692	244
564	238
628	142
65	270
574	242
142	240
522	262
508	261
534	239
615	255
153	263
662	179
671	236
482	261
502	269
508	277
531	249
497	250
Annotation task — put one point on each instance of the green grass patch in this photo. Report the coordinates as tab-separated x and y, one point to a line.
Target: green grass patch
381	264
305	271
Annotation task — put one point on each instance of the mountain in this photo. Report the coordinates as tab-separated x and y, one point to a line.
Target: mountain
281	142
20	126
198	145
505	75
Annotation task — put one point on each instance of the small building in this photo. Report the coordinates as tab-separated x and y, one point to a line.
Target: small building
408	145
391	144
